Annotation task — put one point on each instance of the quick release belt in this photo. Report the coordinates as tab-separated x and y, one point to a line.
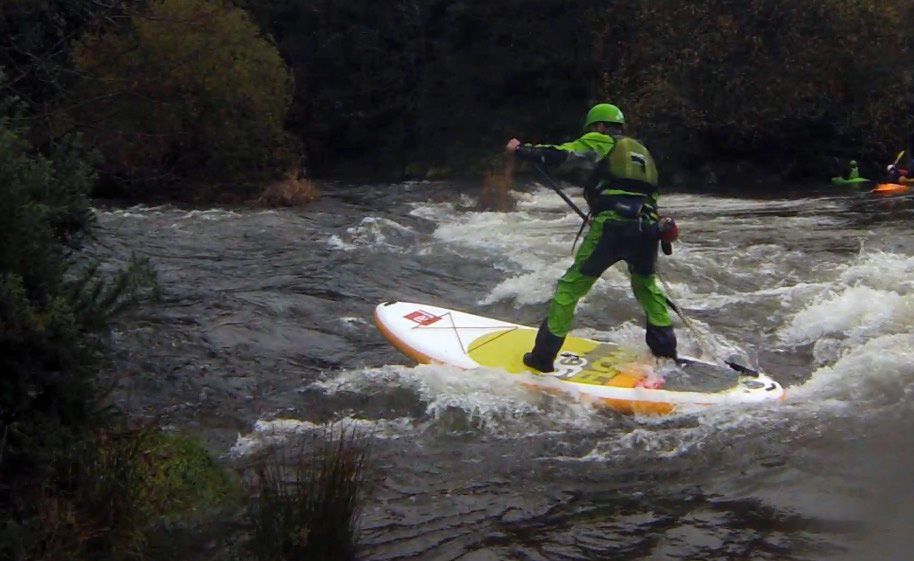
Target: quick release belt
626	206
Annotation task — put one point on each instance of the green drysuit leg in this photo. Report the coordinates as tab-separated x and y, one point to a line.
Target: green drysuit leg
651	299
573	285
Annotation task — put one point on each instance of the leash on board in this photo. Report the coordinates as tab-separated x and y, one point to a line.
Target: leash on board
702	341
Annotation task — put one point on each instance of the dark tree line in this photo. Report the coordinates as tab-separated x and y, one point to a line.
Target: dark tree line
190	93
406	86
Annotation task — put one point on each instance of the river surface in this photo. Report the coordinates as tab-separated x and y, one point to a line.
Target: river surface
264	333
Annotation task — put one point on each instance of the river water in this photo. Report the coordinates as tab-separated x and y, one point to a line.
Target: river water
264	332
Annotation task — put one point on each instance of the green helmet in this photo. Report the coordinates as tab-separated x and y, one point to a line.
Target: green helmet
604	113
853	163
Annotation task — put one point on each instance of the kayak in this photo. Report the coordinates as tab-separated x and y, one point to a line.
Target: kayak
854	181
890	188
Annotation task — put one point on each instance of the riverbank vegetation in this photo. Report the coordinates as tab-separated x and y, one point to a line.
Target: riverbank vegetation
79	478
190	99
775	86
308	500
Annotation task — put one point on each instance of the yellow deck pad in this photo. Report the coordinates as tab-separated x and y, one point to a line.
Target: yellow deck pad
580	360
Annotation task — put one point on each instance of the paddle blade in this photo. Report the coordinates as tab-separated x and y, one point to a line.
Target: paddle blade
742	369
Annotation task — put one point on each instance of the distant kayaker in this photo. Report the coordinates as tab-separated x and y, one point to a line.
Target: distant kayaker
850	176
897	174
852	172
903	168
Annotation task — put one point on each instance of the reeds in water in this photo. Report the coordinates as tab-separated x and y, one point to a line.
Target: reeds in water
496	187
306	502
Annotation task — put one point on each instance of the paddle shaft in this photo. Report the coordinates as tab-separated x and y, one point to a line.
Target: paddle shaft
558	190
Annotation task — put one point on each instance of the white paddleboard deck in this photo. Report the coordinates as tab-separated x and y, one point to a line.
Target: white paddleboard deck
596	371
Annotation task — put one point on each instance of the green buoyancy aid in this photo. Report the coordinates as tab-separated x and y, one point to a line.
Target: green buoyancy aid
854	173
629	159
628	169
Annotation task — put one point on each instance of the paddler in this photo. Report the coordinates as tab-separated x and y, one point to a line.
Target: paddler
621	189
852	172
902	173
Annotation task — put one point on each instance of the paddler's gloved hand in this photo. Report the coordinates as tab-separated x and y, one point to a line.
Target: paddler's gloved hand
539	154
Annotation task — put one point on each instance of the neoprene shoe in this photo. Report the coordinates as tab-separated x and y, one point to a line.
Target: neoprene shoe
536	363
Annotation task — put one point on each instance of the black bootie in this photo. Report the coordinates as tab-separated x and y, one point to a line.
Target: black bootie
661	340
544	350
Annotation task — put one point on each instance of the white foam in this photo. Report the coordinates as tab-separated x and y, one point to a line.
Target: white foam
374	232
211	214
282	430
489	400
871	297
886	271
877	373
857	312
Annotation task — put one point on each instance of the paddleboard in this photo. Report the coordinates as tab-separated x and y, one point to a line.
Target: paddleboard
599	372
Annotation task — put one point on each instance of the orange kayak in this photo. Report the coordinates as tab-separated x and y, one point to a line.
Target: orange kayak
889	188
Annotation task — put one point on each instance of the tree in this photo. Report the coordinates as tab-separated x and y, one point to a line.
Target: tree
190	90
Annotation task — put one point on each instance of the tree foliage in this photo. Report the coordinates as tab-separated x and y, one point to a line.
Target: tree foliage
387	87
35	39
416	84
54	309
189	90
766	80
178	90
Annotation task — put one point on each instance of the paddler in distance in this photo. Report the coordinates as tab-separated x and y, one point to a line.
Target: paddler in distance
902	173
621	190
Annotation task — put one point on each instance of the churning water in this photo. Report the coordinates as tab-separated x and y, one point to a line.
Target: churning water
265	332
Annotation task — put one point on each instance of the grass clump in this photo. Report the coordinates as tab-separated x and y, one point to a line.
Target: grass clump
306	502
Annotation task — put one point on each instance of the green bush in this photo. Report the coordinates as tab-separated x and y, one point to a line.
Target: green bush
54	308
46	358
189	91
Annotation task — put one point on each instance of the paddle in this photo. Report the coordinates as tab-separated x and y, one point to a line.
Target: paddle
559	192
735	366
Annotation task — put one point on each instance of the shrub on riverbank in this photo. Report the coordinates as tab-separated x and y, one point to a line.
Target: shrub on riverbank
74	484
187	92
495	194
100	495
293	190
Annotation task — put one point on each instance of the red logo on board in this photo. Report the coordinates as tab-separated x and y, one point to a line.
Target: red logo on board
422	318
